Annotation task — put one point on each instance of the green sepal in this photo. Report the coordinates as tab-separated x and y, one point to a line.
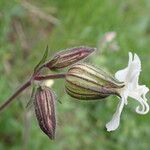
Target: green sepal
42	60
30	102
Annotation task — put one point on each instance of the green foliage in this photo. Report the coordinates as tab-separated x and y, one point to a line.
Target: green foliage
80	125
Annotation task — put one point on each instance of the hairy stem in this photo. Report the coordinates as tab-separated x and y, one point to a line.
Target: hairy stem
11	98
27	84
51	76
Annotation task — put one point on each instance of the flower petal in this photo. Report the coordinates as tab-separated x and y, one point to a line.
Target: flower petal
130	77
137	61
139	94
121	75
145	107
115	121
133	70
130	58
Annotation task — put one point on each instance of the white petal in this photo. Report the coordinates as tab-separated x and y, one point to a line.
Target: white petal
48	83
130	58
138	61
134	69
115	121
134	84
121	75
139	94
145	107
130	76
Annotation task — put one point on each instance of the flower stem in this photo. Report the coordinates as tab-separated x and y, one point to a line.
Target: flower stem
11	98
27	84
51	76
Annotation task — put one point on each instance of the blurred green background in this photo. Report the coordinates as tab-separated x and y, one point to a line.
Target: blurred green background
115	27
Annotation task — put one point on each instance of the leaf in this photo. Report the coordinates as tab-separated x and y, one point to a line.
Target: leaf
42	60
30	102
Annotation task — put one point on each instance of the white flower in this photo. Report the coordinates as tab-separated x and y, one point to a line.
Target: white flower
48	83
130	76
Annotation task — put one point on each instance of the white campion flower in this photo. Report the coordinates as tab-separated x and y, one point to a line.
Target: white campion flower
130	76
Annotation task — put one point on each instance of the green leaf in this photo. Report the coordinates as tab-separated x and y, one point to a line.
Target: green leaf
42	60
30	102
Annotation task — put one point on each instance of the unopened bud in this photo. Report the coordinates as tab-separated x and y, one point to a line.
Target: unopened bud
86	82
45	110
68	57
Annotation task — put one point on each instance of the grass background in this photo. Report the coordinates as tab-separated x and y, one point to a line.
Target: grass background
23	38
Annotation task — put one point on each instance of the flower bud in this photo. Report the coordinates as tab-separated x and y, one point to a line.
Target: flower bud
45	111
68	57
86	83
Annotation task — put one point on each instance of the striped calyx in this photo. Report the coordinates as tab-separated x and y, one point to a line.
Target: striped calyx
86	82
68	57
45	110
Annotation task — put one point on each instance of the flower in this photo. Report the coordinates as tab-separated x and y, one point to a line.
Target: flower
68	57
44	104
86	82
130	77
48	83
